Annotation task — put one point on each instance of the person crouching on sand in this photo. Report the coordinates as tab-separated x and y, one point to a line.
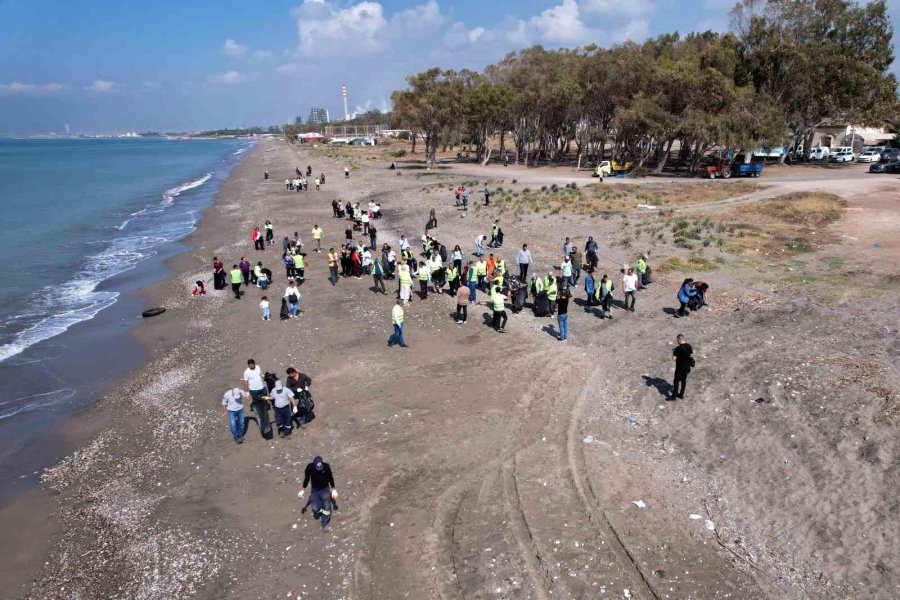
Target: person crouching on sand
199	289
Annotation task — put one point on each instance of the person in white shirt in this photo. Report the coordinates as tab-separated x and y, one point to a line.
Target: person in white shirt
233	410
524	259
566	268
283	401
253	381
364	218
629	285
404	243
264	309
376	211
367	261
292	295
479	245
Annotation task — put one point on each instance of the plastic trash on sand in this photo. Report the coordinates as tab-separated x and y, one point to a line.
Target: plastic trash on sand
710	525
639	503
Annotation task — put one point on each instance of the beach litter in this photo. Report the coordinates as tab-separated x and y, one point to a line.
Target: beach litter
639	503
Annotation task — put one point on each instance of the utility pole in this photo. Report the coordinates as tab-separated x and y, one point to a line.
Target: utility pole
344	94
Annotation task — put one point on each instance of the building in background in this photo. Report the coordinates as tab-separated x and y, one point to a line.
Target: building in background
318	116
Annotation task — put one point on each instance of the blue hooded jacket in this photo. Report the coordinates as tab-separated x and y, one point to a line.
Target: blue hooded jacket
686	292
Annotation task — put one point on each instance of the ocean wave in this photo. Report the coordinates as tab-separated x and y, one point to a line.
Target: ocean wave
57	308
239	151
10	408
173	193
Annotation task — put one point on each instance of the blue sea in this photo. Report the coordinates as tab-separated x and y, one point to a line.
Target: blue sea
77	212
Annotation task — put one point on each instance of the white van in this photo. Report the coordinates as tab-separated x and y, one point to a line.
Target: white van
820	153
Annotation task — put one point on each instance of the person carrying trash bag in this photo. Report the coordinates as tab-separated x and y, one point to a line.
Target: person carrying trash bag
322	492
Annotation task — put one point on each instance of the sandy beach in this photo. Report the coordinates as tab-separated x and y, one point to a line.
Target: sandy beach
481	465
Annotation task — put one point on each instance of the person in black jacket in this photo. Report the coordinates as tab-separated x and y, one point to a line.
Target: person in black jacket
683	363
318	476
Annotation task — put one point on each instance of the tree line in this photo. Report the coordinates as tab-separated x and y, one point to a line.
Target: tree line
786	68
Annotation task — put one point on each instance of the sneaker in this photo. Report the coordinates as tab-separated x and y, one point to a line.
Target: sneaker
239	440
326	529
404	346
502	330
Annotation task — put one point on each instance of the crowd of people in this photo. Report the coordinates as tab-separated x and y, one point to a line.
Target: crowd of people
437	272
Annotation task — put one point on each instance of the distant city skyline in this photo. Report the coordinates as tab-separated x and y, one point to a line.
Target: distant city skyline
171	66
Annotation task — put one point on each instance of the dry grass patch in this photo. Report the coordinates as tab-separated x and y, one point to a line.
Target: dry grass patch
693	263
595	199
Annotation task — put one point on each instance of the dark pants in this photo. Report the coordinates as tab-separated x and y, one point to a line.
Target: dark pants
576	273
289	271
462	312
219	280
454	286
283	419
379	283
332	275
320	500
500	319
680	378
682	310
423	288
236	288
523	272
629	296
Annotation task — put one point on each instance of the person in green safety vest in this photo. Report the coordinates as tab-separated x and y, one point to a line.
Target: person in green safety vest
299	267
472	280
424	275
397	322
641	268
498	305
378	276
452	279
237	278
405	280
552	291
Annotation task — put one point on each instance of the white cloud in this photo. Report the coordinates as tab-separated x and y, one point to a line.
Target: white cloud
227	78
30	89
288	68
101	86
474	34
232	48
324	28
262	54
618	8
561	23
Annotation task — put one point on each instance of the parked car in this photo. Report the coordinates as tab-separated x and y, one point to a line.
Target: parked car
891	166
770	153
820	153
869	156
842	154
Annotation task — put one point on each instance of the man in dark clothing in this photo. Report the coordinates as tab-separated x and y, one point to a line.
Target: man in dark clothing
683	363
299	384
318	476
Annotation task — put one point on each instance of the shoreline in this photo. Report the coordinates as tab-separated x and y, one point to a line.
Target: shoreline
26	500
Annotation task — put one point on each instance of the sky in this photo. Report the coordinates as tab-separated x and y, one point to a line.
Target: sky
184	65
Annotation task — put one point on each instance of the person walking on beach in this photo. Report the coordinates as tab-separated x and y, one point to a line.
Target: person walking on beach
562	314
270	232
317	236
258	242
317	184
575	255
378	276
397	322
682	355
524	259
292	295
462	304
244	266
589	287
424	275
346	172
566	268
255	385
495	234
237	278
322	491
405	280
604	295
498	306
264	308
373	237
332	266
283	403
629	285
233	410
479	245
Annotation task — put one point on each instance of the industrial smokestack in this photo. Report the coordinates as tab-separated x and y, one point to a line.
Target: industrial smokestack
344	94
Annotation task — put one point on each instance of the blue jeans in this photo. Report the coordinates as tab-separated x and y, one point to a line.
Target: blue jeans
563	321
320	500
397	336
472	285
294	309
237	423
479	249
266	315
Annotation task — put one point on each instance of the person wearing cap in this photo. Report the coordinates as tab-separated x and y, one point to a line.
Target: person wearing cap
322	490
283	400
233	410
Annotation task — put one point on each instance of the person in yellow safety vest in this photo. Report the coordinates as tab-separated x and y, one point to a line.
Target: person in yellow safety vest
498	305
481	272
317	235
495	234
552	291
405	280
298	267
397	322
237	278
453	279
641	268
499	271
424	276
538	284
434	267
